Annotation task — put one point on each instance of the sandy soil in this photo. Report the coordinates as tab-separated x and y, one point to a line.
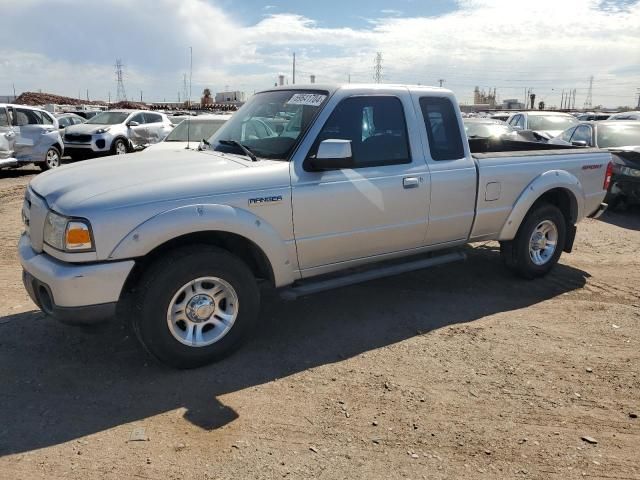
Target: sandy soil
458	372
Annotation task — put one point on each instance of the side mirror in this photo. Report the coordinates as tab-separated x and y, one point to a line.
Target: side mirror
132	124
579	143
333	154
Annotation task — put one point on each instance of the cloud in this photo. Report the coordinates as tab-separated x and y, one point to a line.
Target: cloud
546	45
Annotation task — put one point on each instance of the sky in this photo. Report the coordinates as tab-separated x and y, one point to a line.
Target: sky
70	46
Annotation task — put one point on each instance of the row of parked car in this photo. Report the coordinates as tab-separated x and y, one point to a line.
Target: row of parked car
31	135
620	134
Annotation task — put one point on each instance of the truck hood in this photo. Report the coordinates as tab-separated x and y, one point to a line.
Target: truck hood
171	146
124	180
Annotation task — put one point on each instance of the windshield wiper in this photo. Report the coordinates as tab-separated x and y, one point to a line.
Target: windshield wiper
246	151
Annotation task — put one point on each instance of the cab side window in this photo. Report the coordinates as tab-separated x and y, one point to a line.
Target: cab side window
376	127
443	129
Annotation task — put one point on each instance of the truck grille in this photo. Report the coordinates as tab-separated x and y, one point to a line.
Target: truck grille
34	212
77	138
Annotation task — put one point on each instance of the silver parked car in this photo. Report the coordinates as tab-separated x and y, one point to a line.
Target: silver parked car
116	132
546	124
29	135
190	132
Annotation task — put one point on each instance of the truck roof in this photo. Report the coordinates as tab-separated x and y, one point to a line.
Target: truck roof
332	88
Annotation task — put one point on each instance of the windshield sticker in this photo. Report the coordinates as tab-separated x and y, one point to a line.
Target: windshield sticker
312	99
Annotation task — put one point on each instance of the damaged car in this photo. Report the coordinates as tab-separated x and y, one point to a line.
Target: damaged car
622	139
116	132
29	135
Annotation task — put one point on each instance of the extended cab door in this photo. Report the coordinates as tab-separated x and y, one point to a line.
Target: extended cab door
453	170
379	206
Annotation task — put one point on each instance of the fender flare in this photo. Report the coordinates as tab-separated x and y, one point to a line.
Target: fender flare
189	219
545	182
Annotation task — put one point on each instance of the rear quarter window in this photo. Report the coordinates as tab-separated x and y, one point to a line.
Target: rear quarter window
443	129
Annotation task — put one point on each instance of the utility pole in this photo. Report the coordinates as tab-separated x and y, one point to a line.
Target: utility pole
14	91
293	76
638	89
140	96
348	79
377	67
190	72
109	101
574	99
441	81
87	94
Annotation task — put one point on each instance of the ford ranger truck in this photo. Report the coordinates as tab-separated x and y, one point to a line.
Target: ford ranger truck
300	186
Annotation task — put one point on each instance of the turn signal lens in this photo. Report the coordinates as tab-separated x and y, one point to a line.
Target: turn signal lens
78	236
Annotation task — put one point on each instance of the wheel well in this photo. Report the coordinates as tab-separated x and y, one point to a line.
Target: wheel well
565	201
123	138
238	245
58	147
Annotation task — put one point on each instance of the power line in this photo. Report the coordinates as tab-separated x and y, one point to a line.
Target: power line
377	67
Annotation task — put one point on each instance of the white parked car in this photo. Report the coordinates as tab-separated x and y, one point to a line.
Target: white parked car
625	116
116	132
190	132
545	124
29	135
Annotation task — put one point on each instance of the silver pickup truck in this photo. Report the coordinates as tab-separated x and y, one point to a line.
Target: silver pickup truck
303	189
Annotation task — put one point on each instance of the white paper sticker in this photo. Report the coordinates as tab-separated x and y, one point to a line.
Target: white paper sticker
312	99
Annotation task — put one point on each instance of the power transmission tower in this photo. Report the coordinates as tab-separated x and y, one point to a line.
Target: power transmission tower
589	100
441	81
185	90
121	95
377	68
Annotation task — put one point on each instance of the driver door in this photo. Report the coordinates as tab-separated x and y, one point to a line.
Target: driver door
380	205
7	135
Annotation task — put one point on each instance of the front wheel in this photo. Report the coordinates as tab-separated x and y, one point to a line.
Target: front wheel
51	159
195	305
538	243
119	147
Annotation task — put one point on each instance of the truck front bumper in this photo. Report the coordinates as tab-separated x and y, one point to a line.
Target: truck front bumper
74	293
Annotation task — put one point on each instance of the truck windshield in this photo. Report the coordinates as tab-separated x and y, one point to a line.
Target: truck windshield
109	118
270	123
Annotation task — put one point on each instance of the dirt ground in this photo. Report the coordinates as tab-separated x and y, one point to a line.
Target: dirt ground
458	372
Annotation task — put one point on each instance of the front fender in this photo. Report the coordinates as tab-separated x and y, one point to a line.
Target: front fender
189	219
539	186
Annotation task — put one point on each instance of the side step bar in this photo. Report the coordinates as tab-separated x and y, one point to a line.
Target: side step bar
311	287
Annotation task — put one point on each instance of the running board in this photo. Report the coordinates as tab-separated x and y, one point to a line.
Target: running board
311	287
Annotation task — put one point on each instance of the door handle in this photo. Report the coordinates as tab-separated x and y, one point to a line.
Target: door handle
410	182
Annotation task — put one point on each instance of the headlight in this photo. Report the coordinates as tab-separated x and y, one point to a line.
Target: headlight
103	130
67	234
631	172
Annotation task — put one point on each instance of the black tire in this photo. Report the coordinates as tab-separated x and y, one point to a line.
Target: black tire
48	164
515	253
165	277
117	144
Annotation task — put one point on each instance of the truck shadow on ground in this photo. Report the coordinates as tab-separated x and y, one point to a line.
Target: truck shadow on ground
60	383
628	218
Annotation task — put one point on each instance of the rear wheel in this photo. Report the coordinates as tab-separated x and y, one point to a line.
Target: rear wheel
51	159
119	147
538	243
195	305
